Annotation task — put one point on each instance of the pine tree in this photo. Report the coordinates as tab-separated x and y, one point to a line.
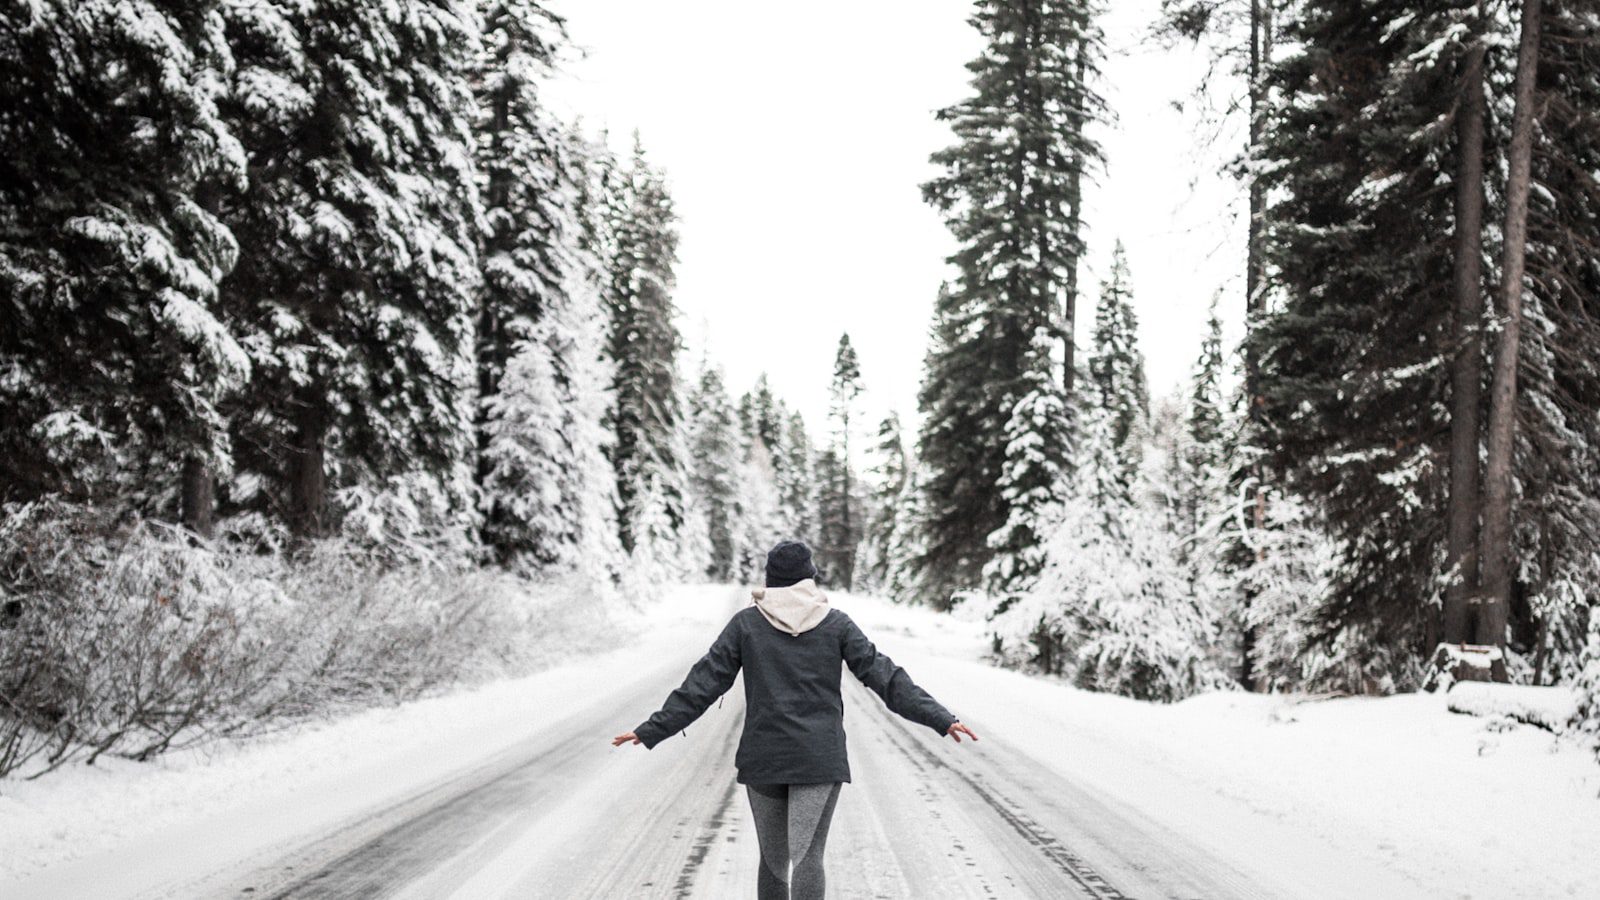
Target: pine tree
114	353
1010	194
1354	359
715	470
761	513
797	481
840	516
765	414
1587	683
1116	367
358	274
530	260
885	548
644	344
1466	365
1036	474
833	512
1557	497
1495	539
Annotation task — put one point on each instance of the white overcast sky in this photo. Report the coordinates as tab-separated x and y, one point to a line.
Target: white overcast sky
795	138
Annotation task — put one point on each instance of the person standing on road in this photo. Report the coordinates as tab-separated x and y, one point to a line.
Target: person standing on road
791	756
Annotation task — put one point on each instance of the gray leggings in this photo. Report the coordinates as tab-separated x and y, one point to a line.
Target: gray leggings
792	826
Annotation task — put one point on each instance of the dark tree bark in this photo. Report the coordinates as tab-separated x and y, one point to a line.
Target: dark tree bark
1254	280
1069	300
1496	550
199	504
308	480
1466	369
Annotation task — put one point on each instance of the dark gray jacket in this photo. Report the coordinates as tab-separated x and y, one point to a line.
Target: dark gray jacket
794	714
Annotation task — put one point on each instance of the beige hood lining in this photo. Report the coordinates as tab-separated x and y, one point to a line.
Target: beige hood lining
795	609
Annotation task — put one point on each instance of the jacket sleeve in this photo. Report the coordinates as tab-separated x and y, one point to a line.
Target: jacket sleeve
709	679
891	682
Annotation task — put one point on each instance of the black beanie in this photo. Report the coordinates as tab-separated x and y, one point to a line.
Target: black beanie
789	563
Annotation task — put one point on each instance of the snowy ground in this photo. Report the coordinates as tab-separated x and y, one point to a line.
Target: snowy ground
291	783
513	790
1311	796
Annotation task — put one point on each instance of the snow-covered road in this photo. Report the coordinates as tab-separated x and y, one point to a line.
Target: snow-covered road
560	814
924	818
514	791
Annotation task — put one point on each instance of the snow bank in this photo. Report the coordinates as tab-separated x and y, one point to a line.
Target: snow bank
1550	708
1357	797
187	805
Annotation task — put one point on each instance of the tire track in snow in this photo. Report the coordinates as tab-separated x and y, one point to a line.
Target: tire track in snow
1090	881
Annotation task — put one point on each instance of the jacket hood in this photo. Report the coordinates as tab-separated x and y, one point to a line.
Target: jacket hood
794	609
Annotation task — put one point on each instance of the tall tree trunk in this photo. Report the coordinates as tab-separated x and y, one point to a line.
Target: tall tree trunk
308	480
849	553
1496	550
1466	369
1069	304
1254	286
199	503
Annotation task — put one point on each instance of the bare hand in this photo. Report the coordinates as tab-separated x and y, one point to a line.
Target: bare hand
621	739
957	729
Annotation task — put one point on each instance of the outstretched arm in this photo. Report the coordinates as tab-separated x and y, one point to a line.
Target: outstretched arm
709	679
891	682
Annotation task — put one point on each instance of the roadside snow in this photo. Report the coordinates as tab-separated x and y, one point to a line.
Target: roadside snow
289	783
1305	794
1392	797
1551	708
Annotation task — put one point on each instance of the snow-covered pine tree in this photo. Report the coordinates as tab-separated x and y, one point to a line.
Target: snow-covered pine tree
840	525
761	516
530	260
885	544
1116	367
797	480
1010	196
832	503
1036	475
114	354
644	344
1557	499
714	472
1206	402
1112	605
357	276
1354	358
766	414
1217	500
1588	683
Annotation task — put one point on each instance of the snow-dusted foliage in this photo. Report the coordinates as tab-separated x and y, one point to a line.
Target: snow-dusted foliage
796	467
1034	480
1588	683
1109	598
546	492
840	517
358	272
715	460
114	357
132	640
638	243
1010	192
1116	379
1112	608
761	517
887	548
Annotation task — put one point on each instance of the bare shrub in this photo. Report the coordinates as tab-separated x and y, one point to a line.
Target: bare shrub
131	638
